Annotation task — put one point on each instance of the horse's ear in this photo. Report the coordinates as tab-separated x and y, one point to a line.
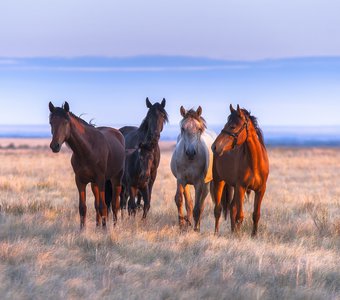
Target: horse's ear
239	112
231	108
163	102
182	110
51	107
199	111
66	106
148	103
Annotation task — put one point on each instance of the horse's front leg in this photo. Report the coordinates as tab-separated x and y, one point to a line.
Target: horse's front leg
82	202
132	200
188	204
179	202
146	199
217	188
201	192
257	209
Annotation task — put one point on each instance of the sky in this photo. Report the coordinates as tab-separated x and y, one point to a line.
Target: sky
166	35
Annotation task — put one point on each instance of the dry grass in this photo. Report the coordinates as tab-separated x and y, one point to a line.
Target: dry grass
43	254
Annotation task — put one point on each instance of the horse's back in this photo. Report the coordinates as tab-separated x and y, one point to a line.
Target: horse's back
130	134
116	143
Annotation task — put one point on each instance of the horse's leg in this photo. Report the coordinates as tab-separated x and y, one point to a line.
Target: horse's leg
116	194
257	207
218	190
132	201
179	203
236	208
188	204
102	205
95	191
82	202
123	198
240	191
139	199
227	197
146	199
201	192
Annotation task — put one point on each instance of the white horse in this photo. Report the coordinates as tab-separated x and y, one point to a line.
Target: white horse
191	164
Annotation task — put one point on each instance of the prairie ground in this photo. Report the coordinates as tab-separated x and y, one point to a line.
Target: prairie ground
44	255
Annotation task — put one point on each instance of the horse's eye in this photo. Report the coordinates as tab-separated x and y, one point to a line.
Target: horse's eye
232	127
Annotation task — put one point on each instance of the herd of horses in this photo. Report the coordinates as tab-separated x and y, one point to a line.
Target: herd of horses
121	165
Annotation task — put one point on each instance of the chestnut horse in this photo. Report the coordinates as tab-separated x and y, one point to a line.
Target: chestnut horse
191	164
240	162
148	133
98	156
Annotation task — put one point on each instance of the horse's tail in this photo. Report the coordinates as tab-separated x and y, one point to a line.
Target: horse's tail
108	194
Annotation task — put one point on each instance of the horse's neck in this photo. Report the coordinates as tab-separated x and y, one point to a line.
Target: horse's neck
254	148
78	140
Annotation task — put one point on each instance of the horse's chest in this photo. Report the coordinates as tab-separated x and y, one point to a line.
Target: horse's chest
191	171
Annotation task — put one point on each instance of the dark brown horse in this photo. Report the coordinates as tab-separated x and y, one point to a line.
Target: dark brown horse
240	162
148	133
138	164
98	156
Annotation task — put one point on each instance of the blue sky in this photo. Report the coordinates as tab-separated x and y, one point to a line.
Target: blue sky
280	59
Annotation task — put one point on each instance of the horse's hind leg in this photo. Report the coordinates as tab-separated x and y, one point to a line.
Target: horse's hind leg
236	210
116	194
100	191
95	191
188	204
139	199
82	202
179	203
201	192
257	209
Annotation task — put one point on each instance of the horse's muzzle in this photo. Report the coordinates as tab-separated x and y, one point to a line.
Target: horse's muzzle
216	151
190	154
55	147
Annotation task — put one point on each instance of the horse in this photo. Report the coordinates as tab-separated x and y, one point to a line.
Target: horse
191	164
136	177
240	163
98	156
148	133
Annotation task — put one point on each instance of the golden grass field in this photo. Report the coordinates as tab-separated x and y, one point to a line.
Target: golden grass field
44	255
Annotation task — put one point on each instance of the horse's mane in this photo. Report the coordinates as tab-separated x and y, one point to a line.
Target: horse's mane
258	130
156	106
191	113
58	111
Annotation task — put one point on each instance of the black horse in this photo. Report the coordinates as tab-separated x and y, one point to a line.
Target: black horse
137	174
147	133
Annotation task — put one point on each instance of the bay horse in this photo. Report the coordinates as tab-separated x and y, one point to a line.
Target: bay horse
138	164
191	164
241	163
148	133
98	156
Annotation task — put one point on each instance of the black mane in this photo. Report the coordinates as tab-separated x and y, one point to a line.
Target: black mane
151	113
